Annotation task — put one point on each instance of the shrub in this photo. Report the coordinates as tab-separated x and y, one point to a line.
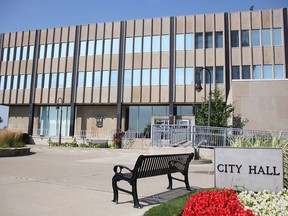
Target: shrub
10	139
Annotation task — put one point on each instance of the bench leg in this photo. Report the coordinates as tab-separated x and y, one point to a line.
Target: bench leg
135	195
115	190
170	181
187	182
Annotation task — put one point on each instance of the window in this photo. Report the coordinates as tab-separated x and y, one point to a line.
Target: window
15	81
114	78
155	43
11	55
189	76
91	45
155	76
165	43
278	71
147	44
235	72
245	72
22	81
138	45
219	39
5	53
8	82
277	37
49	51
207	75
28	81
199	40
63	49
209	40
61	80
127	77
257	73
245	38
53	80
179	76
71	49
39	81
24	53
97	78
129	45
83	48
115	49
189	41
267	71
255	37
105	78
99	47
136	77
219	75
18	52
56	50
31	52
107	46
89	79
81	79
68	82
46	80
234	38
42	51
145	77
266	37
164	76
2	81
179	41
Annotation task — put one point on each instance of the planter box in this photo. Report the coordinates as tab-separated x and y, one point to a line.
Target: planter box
12	152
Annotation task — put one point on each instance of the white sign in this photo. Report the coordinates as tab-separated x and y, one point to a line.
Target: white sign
255	169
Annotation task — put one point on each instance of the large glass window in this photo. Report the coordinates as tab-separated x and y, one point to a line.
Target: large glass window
127	77
145	77
208	40
277	37
105	78
49	51
5	54
207	75
28	81
107	46
179	41
155	76
81	78
184	110
245	72
257	73
91	45
89	79
266	37
8	82
99	47
56	50
22	81
129	45
68	82
255	37
155	43
53	80
234	38
71	49
61	80
2	81
97	78
138	45
147	44
199	40
267	71
179	76
115	48
46	80
164	76
39	81
114	78
31	52
136	77
245	38
235	72
189	76
219	39
42	51
63	49
18	52
83	48
24	53
219	78
11	54
15	81
189	41
165	43
279	71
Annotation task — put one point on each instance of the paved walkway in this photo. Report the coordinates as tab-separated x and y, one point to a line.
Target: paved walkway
73	181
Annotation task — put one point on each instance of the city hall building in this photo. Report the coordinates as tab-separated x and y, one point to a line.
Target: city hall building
131	74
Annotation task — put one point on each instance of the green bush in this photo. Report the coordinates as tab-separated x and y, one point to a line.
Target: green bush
10	139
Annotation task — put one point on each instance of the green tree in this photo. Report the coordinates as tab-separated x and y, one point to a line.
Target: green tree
220	112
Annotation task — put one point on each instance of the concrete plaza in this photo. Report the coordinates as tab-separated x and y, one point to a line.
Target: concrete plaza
62	181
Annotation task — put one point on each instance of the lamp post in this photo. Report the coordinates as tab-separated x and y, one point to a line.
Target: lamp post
60	101
199	88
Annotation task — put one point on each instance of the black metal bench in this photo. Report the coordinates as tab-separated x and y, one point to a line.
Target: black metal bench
148	166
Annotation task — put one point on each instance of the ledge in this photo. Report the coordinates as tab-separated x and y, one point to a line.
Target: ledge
12	152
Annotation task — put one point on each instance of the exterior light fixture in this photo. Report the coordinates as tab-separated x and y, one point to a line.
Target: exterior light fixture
99	121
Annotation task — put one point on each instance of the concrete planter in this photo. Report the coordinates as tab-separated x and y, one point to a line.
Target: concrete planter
12	152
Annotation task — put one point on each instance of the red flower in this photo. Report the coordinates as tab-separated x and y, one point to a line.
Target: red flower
215	203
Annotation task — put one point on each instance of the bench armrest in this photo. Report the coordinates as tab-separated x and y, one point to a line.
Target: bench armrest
118	169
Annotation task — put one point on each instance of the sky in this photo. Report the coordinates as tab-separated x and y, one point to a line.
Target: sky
24	15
